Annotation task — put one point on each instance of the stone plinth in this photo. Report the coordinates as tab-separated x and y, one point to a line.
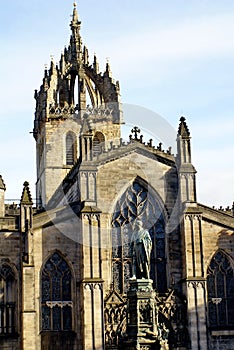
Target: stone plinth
142	317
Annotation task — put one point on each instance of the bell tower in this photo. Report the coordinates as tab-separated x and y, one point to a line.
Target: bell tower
66	129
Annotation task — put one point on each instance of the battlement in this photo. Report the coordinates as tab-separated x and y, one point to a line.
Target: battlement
56	111
228	210
12	209
110	147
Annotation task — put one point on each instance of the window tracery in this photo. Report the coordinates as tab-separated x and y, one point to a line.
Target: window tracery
56	295
138	201
220	286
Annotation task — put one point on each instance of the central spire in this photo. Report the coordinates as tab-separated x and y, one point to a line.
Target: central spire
76	41
75	23
75	14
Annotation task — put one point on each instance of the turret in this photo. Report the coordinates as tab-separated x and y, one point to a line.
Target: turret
186	170
2	197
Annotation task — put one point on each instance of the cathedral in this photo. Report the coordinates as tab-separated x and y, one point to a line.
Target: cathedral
70	273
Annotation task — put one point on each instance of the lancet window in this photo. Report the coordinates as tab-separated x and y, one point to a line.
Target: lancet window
56	298
220	285
7	300
138	201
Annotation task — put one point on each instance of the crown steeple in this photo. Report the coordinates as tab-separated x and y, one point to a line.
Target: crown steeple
64	103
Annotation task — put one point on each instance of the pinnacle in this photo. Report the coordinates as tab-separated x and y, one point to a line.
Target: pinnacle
2	184
75	20
26	195
183	128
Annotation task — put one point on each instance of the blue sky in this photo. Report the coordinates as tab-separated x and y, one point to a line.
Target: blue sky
173	57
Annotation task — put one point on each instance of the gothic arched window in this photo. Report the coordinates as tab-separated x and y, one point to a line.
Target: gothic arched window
7	300
56	295
70	148
138	202
220	286
98	143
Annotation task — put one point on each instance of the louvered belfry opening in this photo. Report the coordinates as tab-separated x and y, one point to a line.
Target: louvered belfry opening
98	143
70	148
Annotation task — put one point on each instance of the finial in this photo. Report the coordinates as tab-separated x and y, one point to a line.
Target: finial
108	70
75	16
45	70
183	128
182	119
135	131
95	63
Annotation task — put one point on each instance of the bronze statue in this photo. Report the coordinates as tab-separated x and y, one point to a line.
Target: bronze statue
142	246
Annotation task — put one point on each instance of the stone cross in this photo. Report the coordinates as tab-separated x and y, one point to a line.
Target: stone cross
135	131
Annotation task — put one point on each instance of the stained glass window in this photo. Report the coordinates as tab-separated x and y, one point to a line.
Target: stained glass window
220	286
138	201
56	295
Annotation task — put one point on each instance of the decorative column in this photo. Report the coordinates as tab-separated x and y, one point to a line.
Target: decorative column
197	314
86	143
93	314
195	282
92	282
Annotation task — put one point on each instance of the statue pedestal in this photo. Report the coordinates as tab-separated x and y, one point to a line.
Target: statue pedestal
142	317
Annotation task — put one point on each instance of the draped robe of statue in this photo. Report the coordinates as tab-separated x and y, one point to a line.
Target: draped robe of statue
142	246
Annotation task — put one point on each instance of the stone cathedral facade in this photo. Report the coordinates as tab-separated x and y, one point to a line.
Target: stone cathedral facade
66	260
